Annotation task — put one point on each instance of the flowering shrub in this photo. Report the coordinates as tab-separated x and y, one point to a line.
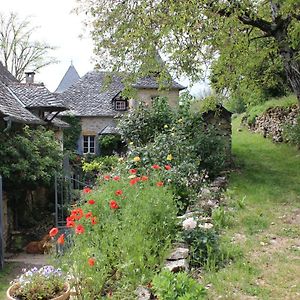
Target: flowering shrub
39	284
121	237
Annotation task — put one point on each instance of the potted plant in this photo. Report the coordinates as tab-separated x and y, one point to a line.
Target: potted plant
46	283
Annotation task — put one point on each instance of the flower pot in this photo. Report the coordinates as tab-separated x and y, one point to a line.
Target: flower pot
64	296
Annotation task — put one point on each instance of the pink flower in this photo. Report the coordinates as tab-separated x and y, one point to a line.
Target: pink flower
168	167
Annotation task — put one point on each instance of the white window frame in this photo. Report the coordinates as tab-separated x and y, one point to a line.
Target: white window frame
120	105
91	144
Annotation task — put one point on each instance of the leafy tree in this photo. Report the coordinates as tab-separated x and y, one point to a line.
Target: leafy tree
191	33
29	158
18	51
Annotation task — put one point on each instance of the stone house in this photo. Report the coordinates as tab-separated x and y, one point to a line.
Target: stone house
98	103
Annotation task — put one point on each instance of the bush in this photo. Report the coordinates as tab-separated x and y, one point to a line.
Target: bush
179	286
204	246
123	232
110	144
291	133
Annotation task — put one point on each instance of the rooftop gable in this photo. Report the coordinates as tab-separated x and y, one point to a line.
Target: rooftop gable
70	77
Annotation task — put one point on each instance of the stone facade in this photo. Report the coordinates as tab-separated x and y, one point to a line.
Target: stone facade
93	126
146	95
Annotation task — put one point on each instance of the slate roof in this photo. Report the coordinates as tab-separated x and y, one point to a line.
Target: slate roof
89	97
16	98
92	95
69	79
6	76
11	106
36	96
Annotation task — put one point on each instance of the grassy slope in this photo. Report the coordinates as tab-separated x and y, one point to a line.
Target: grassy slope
266	226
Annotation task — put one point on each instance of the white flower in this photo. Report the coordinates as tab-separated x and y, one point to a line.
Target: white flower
189	223
206	225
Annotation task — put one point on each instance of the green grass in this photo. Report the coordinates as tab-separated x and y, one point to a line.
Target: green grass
5	278
258	110
265	197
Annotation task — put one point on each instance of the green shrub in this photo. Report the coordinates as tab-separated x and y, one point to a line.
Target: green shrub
129	238
142	124
179	286
110	144
291	133
204	246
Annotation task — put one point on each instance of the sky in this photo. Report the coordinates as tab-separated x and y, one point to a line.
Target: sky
61	28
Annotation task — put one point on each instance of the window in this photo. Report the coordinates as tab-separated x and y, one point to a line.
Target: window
120	105
89	144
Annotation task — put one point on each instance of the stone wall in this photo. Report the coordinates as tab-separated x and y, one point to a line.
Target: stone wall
93	126
147	95
272	122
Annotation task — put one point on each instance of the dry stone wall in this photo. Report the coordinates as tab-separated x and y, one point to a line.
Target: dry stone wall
272	122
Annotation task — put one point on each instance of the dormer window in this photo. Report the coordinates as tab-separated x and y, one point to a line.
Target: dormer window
120	104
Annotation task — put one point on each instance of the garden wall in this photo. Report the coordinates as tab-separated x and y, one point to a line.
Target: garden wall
272	122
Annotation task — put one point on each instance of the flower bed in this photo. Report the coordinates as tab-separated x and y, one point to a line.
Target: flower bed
123	230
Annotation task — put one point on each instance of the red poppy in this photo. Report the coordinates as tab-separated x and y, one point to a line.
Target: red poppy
144	178
91	261
155	167
91	201
160	183
118	192
132	171
168	167
106	177
93	220
53	232
70	224
113	204
116	178
86	190
70	218
77	214
133	181
79	229
61	239
88	215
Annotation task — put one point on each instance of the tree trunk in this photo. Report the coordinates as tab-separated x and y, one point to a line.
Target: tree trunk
292	70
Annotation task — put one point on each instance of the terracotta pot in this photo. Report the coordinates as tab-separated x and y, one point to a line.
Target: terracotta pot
64	296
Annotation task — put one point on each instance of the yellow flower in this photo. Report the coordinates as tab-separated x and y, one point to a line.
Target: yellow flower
130	143
132	176
166	126
121	159
136	159
169	157
180	121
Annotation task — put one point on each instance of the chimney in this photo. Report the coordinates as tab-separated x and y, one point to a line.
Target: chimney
29	77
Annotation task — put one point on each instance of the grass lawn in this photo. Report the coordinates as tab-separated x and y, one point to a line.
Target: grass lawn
265	226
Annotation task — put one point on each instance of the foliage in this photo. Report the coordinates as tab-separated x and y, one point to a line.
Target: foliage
291	132
252	42
141	124
110	143
18	51
39	284
179	286
72	133
203	244
178	140
29	158
123	231
258	110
